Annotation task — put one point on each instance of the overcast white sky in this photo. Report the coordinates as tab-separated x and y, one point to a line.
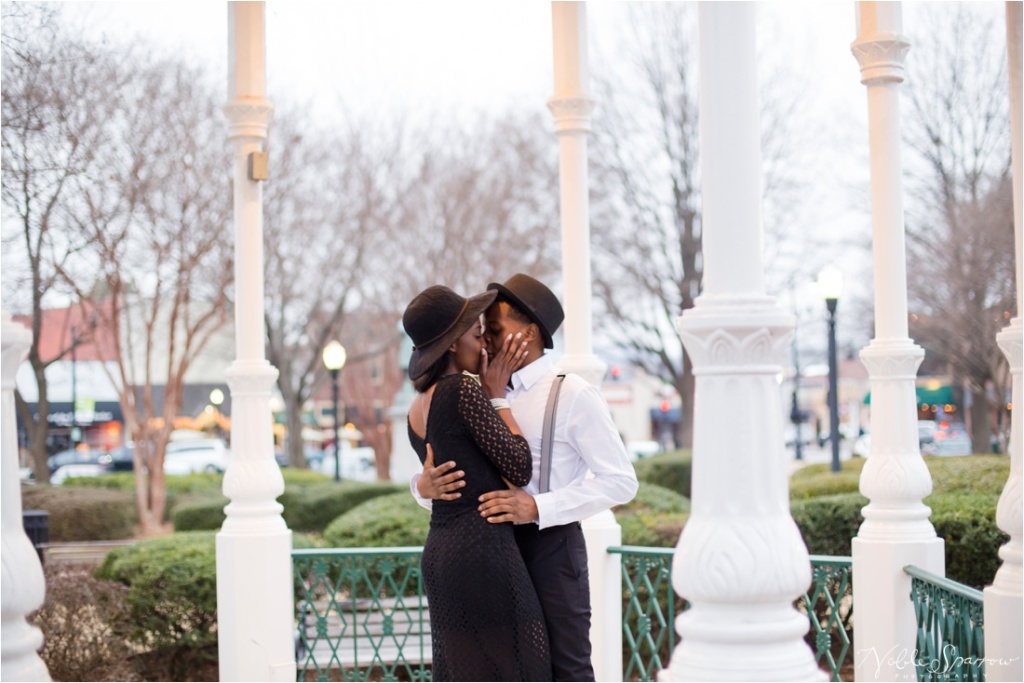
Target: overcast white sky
449	55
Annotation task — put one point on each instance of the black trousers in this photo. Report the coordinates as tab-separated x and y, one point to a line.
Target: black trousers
556	558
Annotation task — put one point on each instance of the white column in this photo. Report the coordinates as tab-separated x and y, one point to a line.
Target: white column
255	603
571	106
22	584
1004	613
740	560
896	531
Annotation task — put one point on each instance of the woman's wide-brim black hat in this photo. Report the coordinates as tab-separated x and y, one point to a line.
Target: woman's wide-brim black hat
534	299
435	319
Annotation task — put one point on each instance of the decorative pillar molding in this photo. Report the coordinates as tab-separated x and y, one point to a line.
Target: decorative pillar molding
740	560
571	106
23	585
896	530
255	602
1004	603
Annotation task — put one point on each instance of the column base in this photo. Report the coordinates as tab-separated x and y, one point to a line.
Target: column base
601	532
1004	614
885	640
255	607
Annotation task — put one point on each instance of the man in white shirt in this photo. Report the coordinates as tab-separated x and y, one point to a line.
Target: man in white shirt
585	442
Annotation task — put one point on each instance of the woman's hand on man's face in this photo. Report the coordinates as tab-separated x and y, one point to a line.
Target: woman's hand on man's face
496	372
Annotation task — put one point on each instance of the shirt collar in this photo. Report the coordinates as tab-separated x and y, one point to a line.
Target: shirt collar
526	376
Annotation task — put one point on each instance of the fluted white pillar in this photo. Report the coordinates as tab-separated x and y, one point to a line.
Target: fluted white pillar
571	106
896	530
740	560
23	585
255	603
1004	613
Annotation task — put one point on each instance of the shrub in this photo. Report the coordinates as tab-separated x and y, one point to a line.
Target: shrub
819	480
300	477
199	515
966	520
82	514
172	590
84	626
654	517
198	483
671	470
312	508
829	522
385	521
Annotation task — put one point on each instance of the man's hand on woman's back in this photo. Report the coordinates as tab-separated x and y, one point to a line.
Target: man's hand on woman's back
440	483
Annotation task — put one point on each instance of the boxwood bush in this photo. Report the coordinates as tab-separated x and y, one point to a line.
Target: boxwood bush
654	517
83	514
199	515
670	469
312	508
385	521
172	590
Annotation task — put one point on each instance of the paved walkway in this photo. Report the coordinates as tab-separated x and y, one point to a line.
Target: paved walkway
812	454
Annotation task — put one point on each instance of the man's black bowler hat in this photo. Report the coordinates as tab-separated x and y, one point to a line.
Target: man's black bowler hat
536	301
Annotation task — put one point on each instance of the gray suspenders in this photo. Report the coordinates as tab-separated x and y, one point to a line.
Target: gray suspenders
549	434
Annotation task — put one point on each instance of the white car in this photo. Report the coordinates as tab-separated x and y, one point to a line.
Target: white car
357	464
65	472
196	455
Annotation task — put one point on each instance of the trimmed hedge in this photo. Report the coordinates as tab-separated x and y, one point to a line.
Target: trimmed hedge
966	491
82	514
172	590
312	508
670	469
301	477
199	515
385	521
655	517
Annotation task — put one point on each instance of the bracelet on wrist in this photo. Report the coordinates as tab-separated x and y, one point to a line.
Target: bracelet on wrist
501	404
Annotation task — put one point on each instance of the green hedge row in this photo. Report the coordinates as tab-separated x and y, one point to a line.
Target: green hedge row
313	507
670	469
81	514
653	518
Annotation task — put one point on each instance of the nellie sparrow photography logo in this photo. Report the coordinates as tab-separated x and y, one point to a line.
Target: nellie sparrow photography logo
946	661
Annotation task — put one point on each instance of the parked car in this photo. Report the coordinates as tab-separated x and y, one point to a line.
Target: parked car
925	431
313	457
642	449
949	439
121	459
357	464
73	456
65	472
196	455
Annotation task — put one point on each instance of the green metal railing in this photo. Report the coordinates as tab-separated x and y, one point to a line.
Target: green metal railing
650	606
829	606
950	628
361	611
648	610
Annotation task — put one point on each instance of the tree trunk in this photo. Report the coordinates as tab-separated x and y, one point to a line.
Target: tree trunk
293	439
981	428
687	390
37	432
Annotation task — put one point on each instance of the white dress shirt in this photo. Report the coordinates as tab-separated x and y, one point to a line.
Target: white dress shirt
590	469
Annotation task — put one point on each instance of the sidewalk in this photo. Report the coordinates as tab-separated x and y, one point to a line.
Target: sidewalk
813	454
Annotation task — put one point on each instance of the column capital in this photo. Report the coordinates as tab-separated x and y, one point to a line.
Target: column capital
248	117
572	114
881	57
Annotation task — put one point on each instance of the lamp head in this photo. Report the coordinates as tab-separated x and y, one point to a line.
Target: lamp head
334	356
830	284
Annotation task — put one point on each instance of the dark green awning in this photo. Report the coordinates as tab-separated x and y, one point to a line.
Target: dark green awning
940	396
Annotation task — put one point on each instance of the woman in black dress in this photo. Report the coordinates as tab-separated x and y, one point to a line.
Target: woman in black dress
486	621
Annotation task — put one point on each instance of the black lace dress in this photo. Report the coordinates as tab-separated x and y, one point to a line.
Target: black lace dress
486	621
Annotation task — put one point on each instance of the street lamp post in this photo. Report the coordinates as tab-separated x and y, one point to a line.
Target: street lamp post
334	360
74	391
830	282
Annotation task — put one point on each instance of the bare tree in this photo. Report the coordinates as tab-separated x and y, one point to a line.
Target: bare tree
330	201
157	264
646	211
959	223
53	109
